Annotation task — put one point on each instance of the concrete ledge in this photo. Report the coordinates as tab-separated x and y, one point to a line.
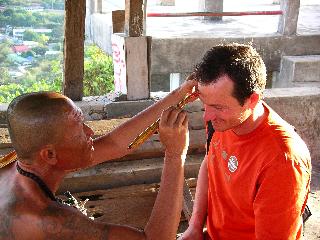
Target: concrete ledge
117	174
299	69
100	107
166	53
301	108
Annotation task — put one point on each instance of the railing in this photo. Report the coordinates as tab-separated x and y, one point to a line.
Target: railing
214	14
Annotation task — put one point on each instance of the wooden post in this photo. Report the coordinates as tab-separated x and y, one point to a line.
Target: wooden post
134	18
289	19
75	11
118	21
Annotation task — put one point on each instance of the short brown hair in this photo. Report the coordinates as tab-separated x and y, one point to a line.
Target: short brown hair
240	62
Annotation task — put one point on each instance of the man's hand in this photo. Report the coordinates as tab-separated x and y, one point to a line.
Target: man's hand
174	134
192	234
188	85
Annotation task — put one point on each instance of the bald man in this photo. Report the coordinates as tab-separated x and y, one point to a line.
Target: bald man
51	139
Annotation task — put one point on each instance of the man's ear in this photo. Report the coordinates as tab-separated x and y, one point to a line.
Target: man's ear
48	154
253	100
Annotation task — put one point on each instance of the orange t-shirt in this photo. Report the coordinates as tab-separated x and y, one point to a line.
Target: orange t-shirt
258	182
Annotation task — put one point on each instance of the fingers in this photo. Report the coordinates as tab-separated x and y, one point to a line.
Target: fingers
174	117
192	76
189	84
182	119
173	131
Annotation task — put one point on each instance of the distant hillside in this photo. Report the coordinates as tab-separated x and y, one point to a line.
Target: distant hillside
55	4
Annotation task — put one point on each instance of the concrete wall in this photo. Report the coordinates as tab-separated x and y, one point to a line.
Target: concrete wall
100	30
301	108
180	55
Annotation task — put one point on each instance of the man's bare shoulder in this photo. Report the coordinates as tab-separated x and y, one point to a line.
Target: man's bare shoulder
56	221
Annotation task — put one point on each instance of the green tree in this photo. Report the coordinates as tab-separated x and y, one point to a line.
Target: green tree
4	76
98	72
29	35
40	50
43	39
5	50
4	2
47	75
3	21
8	12
57	33
29	53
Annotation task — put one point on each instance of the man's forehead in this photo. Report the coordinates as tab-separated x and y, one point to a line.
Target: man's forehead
75	113
217	93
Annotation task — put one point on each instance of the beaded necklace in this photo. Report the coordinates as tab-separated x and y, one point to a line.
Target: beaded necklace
40	183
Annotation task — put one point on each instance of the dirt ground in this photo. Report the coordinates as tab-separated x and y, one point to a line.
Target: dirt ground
312	227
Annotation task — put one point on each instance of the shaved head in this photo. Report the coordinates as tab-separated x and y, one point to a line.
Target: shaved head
36	120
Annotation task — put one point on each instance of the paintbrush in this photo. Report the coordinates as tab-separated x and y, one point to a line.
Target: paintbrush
148	132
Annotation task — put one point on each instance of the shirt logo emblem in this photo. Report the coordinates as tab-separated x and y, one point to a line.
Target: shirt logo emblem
232	164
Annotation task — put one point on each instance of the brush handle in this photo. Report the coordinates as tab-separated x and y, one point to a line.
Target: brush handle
148	132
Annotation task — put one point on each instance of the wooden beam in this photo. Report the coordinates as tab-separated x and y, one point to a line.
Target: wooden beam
130	205
75	11
134	18
118	17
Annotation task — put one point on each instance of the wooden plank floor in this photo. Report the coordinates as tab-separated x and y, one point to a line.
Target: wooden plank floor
130	205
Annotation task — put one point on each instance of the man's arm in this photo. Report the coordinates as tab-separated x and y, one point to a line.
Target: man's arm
165	216
199	213
166	213
114	144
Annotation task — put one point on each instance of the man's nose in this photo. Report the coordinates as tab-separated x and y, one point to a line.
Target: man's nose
209	114
89	132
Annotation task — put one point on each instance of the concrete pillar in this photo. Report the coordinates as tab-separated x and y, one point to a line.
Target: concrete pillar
99	6
95	6
131	66
134	18
174	81
289	19
92	7
131	53
165	2
75	11
211	6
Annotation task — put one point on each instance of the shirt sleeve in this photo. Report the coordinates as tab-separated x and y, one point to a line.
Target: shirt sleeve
282	191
